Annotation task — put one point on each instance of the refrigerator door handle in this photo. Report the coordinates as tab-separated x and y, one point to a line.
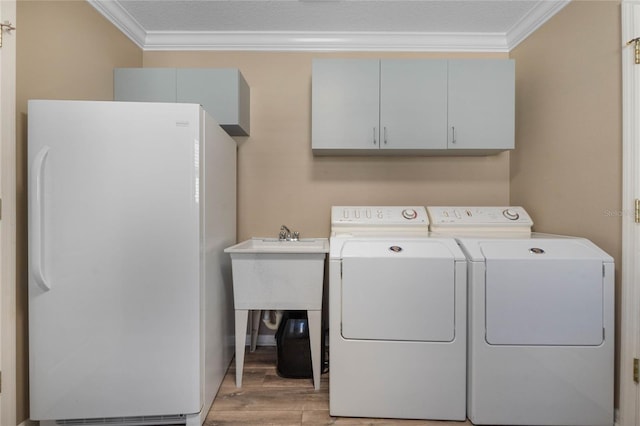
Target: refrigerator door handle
37	220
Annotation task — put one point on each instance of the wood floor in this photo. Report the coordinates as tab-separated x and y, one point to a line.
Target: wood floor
267	399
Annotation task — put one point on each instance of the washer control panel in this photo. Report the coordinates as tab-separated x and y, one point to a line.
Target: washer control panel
379	216
482	218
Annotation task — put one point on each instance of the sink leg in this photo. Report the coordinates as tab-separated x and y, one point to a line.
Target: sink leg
256	315
241	335
315	331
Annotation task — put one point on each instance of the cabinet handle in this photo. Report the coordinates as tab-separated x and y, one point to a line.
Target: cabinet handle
453	134
374	136
385	135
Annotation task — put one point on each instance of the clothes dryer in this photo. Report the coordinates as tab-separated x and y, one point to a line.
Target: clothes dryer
397	308
541	320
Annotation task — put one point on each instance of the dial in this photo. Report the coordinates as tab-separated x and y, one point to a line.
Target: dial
409	214
511	214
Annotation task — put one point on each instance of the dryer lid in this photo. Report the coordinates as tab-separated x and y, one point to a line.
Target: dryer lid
390	247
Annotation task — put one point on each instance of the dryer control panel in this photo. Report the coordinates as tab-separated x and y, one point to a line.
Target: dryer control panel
484	218
377	217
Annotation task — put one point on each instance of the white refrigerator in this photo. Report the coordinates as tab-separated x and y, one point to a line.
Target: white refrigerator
130	294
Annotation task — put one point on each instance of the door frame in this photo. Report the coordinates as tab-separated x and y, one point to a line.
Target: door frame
8	401
630	293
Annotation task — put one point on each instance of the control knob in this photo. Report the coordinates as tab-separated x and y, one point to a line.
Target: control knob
511	214
409	214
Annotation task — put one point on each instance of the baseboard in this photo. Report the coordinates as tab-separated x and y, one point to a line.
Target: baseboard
29	423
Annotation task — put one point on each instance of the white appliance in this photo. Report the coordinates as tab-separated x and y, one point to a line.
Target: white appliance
541	320
130	294
397	312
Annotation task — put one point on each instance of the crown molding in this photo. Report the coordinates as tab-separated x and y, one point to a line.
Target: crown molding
325	41
540	14
121	19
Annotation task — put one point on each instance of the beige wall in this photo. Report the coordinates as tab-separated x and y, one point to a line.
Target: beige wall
567	168
281	182
65	50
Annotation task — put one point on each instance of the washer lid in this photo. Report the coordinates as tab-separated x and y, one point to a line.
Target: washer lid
515	246
543	292
539	249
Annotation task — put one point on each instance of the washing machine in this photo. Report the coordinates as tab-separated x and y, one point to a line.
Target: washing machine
541	320
397	316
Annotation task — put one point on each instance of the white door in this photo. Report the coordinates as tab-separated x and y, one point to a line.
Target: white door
630	333
7	223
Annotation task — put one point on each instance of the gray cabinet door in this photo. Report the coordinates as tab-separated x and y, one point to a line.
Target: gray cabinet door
144	84
481	104
222	92
413	104
345	99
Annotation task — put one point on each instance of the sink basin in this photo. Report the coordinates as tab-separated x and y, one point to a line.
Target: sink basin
273	274
273	245
269	274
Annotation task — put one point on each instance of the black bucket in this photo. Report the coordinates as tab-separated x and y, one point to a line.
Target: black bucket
292	340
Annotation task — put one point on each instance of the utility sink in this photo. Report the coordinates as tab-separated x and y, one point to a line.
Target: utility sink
270	274
273	274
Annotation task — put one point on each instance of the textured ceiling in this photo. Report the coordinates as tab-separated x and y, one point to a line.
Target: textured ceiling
294	24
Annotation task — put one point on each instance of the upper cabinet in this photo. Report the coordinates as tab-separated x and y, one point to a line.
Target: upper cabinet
345	97
481	104
222	92
414	106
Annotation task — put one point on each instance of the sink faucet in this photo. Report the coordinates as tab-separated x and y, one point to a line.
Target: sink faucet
286	234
